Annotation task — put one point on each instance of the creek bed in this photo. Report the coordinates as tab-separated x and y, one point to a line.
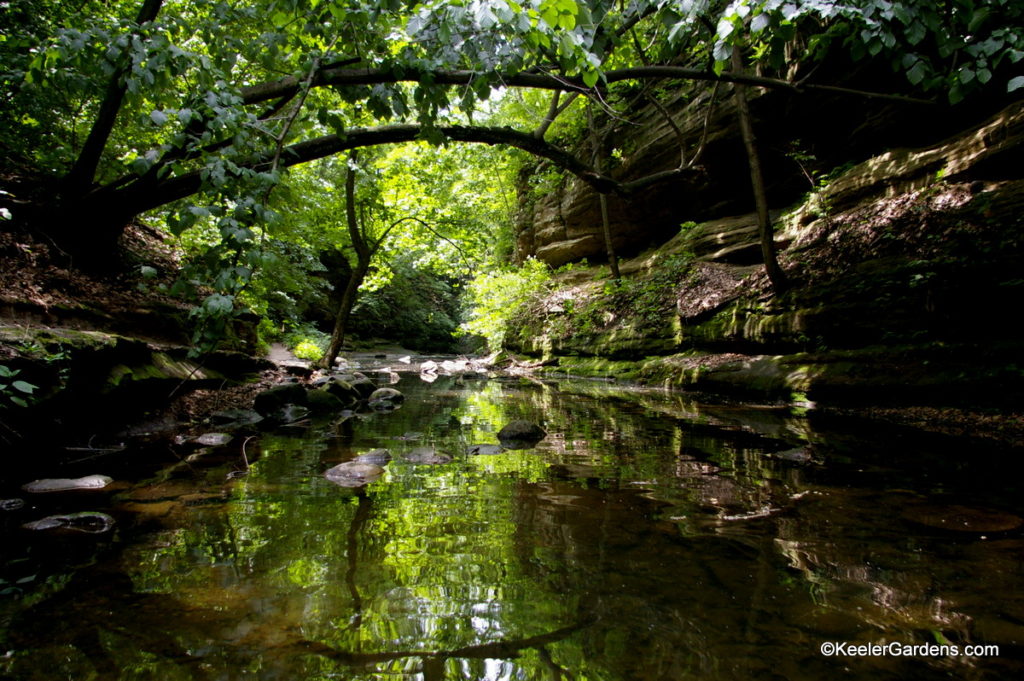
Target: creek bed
646	537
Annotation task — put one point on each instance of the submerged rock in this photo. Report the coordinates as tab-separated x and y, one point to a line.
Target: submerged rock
521	435
378	457
87	521
474	450
354	474
426	455
67	484
958	518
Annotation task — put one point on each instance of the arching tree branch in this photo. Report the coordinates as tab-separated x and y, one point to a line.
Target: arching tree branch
372	76
145	196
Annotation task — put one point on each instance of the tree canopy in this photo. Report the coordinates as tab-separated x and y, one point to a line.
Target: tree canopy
197	109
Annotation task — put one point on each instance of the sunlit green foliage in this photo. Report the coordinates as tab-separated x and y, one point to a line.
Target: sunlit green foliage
494	297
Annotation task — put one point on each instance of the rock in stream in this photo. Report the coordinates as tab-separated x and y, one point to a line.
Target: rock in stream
354	474
67	484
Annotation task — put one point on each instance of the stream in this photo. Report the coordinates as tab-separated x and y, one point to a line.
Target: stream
648	536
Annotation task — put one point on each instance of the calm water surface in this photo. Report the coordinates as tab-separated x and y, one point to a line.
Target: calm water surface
647	537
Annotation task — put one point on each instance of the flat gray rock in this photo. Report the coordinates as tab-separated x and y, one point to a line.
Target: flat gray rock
67	484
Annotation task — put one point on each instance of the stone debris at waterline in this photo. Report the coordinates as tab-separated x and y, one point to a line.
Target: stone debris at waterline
87	482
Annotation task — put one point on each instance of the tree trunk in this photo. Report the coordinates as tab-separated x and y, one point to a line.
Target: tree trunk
764	224
80	178
348	301
606	230
364	254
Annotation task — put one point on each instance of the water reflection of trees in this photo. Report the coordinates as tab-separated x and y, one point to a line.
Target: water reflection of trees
630	544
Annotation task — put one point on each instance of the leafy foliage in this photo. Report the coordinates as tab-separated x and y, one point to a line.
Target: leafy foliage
495	297
12	390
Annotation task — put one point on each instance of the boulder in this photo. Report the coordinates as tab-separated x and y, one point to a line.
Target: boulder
429	367
274	399
87	521
343	390
88	482
324	401
521	435
354	474
11	504
361	382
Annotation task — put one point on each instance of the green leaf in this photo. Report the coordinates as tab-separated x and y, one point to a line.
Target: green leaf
158	117
1015	84
18	401
916	73
24	387
590	78
7	372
